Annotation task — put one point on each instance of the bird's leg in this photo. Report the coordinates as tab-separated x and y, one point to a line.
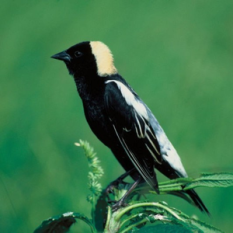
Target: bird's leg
121	202
118	181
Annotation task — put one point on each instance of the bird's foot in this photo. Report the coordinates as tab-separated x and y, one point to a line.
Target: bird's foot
118	204
117	182
113	185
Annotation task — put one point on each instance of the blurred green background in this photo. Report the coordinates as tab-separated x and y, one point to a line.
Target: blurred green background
177	55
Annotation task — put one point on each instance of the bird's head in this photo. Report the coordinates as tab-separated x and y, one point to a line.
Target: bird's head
88	58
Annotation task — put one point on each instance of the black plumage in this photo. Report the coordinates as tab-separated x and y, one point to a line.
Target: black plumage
120	119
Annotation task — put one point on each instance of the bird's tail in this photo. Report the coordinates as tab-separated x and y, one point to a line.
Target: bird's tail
197	201
190	195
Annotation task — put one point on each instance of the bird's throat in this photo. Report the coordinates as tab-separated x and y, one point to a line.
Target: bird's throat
88	89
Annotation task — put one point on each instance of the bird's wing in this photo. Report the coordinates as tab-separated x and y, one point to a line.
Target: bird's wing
130	121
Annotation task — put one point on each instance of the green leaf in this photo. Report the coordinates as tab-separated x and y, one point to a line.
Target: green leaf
163	228
212	180
203	226
169	215
62	223
193	224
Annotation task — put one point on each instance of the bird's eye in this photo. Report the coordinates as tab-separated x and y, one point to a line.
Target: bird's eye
77	54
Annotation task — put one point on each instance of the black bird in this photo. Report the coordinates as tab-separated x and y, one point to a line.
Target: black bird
120	119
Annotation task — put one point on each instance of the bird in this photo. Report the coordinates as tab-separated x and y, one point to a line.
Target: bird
120	119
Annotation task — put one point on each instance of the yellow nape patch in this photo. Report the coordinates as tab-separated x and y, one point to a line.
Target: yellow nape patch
104	58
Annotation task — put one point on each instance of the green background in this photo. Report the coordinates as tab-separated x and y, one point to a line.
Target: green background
177	55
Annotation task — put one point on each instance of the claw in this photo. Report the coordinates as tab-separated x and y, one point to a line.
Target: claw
122	201
115	184
110	189
118	204
119	180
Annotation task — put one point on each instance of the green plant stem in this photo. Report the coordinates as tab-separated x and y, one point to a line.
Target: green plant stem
180	181
164	188
88	222
128	219
134	225
148	204
109	214
93	209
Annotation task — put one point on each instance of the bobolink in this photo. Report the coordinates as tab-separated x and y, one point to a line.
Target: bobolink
120	119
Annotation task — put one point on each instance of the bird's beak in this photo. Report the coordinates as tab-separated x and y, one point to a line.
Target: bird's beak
63	56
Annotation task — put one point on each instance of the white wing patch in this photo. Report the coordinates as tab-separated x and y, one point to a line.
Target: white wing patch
174	160
104	59
130	99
